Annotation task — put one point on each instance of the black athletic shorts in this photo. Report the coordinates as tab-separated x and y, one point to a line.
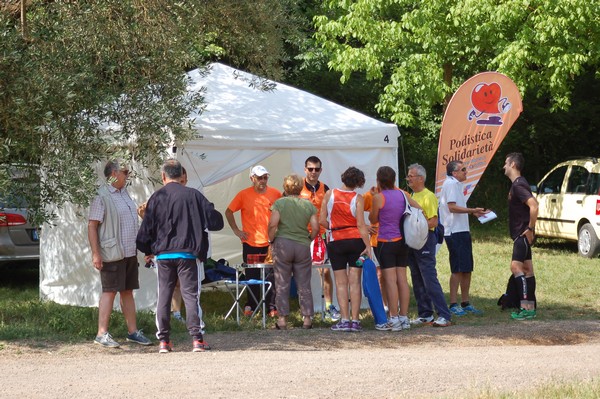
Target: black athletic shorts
521	249
392	254
345	252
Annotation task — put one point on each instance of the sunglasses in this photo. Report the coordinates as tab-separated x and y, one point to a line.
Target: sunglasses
125	172
463	170
263	177
313	169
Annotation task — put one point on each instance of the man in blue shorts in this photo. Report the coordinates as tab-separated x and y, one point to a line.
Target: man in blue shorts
455	215
522	215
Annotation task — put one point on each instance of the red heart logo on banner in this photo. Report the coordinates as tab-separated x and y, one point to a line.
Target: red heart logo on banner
485	97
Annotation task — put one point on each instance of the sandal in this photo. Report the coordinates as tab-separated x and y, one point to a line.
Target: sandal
278	327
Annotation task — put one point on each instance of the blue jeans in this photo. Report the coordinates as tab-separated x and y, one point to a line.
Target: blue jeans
426	286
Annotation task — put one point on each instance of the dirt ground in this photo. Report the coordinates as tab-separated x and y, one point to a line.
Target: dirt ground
458	361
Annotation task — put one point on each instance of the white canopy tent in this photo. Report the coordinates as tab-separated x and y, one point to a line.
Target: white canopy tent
241	127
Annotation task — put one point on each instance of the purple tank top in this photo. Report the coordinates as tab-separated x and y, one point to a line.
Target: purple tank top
390	214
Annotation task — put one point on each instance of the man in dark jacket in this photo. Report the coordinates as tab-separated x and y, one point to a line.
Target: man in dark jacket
174	230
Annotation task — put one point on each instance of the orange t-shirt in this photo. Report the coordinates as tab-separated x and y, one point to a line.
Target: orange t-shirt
255	211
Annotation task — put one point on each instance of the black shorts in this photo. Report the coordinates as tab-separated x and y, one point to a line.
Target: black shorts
521	249
121	275
345	252
392	254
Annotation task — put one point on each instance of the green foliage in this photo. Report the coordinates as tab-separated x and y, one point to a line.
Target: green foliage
253	35
423	51
82	65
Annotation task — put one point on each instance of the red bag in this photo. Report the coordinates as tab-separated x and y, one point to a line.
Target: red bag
318	250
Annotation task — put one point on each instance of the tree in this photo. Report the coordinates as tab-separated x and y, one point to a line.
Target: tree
93	80
425	50
421	52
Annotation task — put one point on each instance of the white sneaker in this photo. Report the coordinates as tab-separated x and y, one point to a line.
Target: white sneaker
395	324
106	340
404	323
422	320
383	327
441	322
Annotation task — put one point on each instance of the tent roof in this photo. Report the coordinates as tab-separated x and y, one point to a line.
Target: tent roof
239	114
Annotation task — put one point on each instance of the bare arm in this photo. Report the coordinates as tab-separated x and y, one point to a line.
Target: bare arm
231	221
360	223
413	203
533	213
323	214
452	207
374	213
273	223
314	226
95	243
432	222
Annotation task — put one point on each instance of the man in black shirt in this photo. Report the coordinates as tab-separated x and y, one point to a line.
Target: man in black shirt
173	230
522	216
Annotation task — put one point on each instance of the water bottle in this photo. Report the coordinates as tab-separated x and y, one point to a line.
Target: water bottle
361	259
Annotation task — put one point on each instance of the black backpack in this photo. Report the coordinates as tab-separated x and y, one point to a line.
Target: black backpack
510	299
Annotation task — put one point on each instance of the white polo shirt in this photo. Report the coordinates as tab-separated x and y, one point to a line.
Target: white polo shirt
452	191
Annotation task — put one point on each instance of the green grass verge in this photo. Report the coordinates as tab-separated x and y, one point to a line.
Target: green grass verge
567	289
563	390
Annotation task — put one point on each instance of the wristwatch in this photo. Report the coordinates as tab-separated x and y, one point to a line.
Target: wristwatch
531	228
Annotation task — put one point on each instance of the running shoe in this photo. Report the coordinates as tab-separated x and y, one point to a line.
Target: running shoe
395	324
523	314
472	309
404	323
332	313
420	321
441	322
343	325
200	345
355	326
165	347
457	310
177	316
273	313
248	311
384	326
139	338
106	340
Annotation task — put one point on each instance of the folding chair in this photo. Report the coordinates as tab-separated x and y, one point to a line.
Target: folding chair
234	286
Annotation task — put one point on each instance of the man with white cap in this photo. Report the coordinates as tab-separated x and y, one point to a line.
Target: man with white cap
255	205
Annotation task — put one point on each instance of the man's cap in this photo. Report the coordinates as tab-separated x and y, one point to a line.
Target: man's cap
258	170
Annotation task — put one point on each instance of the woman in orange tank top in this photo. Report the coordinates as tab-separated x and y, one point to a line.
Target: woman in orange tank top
342	214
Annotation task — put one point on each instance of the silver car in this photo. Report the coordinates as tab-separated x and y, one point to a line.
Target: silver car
19	240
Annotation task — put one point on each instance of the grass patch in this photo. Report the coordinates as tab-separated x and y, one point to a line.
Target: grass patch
566	289
571	390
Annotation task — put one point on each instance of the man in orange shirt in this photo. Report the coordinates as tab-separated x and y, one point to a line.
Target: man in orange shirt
314	191
255	205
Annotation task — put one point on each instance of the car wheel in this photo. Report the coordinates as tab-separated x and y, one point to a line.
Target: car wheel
587	241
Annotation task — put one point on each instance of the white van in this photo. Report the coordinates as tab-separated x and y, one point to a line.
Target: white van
569	204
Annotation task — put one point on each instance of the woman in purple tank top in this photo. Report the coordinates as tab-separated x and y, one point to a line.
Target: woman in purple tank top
392	253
